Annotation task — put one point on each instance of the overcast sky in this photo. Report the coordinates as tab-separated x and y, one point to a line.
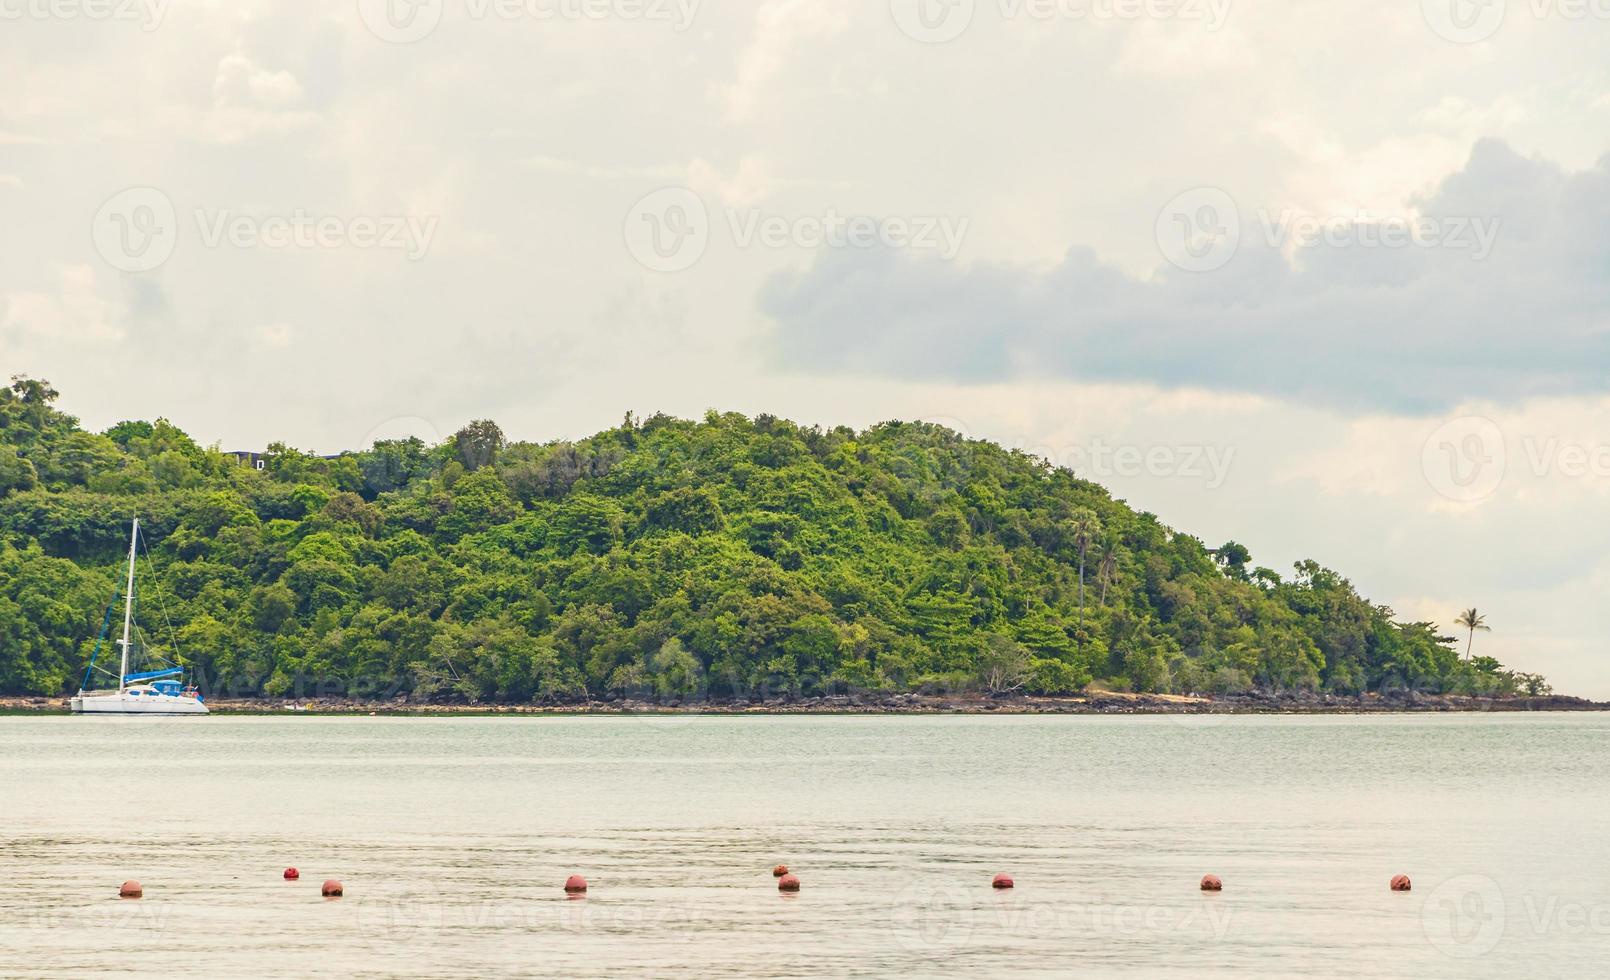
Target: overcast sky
1329	279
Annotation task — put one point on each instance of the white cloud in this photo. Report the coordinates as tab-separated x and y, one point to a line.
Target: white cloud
75	312
780	26
249	100
242	82
1353	324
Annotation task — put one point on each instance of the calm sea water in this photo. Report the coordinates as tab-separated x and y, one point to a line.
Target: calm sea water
454	837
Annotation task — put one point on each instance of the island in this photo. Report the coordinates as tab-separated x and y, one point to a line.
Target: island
722	564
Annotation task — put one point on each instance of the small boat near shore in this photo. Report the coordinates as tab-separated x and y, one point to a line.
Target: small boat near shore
161	691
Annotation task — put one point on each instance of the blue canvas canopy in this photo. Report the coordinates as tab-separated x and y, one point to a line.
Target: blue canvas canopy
151	675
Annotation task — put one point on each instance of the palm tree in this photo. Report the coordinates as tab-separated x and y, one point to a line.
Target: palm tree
1084	528
1105	572
1472	620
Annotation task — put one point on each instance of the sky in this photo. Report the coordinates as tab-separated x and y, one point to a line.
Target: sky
1330	280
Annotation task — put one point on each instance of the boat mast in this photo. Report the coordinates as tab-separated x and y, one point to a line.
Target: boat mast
128	607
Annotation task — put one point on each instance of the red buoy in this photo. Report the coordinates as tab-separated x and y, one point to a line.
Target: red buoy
1211	883
1400	883
291	874
788	883
1002	881
575	885
332	889
130	889
779	871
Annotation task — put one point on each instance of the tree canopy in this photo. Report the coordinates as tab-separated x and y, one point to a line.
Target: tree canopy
728	557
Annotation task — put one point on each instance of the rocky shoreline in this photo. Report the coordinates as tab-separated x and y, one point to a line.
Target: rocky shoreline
1092	703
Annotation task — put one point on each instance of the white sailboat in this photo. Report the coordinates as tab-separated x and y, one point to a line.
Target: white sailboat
155	692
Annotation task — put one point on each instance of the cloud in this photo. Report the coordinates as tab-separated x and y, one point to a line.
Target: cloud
1409	329
76	312
249	100
780	26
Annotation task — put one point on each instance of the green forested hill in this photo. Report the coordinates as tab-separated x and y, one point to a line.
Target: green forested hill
728	557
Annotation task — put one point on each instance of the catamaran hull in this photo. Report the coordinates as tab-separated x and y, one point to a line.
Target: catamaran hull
115	704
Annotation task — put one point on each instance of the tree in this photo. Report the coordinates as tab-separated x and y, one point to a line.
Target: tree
16	472
1084	529
1003	664
1472	620
36	396
674	670
1106	572
478	444
1233	558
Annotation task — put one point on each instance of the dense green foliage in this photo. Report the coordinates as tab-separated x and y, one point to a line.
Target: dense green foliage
724	558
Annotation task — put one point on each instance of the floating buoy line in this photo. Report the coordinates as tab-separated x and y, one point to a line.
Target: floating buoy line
576	885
